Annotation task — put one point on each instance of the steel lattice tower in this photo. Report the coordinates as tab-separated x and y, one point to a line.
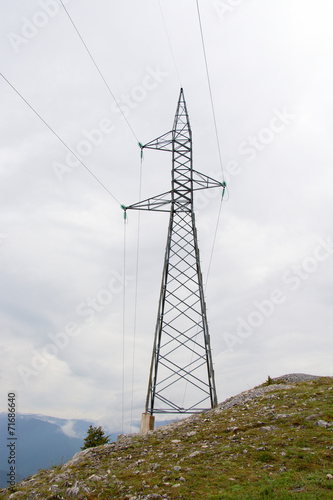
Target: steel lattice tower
181	376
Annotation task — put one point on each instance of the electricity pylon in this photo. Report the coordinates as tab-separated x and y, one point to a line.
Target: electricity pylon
181	378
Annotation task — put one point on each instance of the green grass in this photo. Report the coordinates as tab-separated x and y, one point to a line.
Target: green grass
248	452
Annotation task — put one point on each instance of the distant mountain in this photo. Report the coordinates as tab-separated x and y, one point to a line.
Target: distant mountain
42	441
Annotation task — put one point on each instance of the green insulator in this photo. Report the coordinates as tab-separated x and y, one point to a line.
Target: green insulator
125	213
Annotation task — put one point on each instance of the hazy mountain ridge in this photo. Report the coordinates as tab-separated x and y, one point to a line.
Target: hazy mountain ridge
273	441
42	441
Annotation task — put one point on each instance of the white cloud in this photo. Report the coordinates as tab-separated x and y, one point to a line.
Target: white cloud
68	429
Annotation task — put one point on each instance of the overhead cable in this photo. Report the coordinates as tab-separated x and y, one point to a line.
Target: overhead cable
216	135
169	41
136	291
99	71
60	139
123	339
210	89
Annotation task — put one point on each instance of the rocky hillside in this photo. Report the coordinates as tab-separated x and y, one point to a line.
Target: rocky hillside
271	442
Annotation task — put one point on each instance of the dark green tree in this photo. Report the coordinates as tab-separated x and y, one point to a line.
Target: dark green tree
95	437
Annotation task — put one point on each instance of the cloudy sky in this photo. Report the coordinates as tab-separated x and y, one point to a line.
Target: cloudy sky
269	289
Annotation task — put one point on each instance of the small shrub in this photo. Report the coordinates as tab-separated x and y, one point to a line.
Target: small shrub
95	437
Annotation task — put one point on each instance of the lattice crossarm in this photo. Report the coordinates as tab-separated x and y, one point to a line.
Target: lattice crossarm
202	181
158	203
162	143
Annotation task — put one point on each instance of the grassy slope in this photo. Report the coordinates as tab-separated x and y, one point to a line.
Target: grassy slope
265	449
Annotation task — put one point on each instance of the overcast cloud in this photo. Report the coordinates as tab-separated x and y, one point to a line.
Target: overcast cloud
269	290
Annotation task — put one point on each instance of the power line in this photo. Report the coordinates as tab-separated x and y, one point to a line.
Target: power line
123	339
60	139
169	41
136	290
216	135
214	241
99	71
210	89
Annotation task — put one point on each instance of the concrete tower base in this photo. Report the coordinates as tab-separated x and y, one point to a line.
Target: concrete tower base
147	423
